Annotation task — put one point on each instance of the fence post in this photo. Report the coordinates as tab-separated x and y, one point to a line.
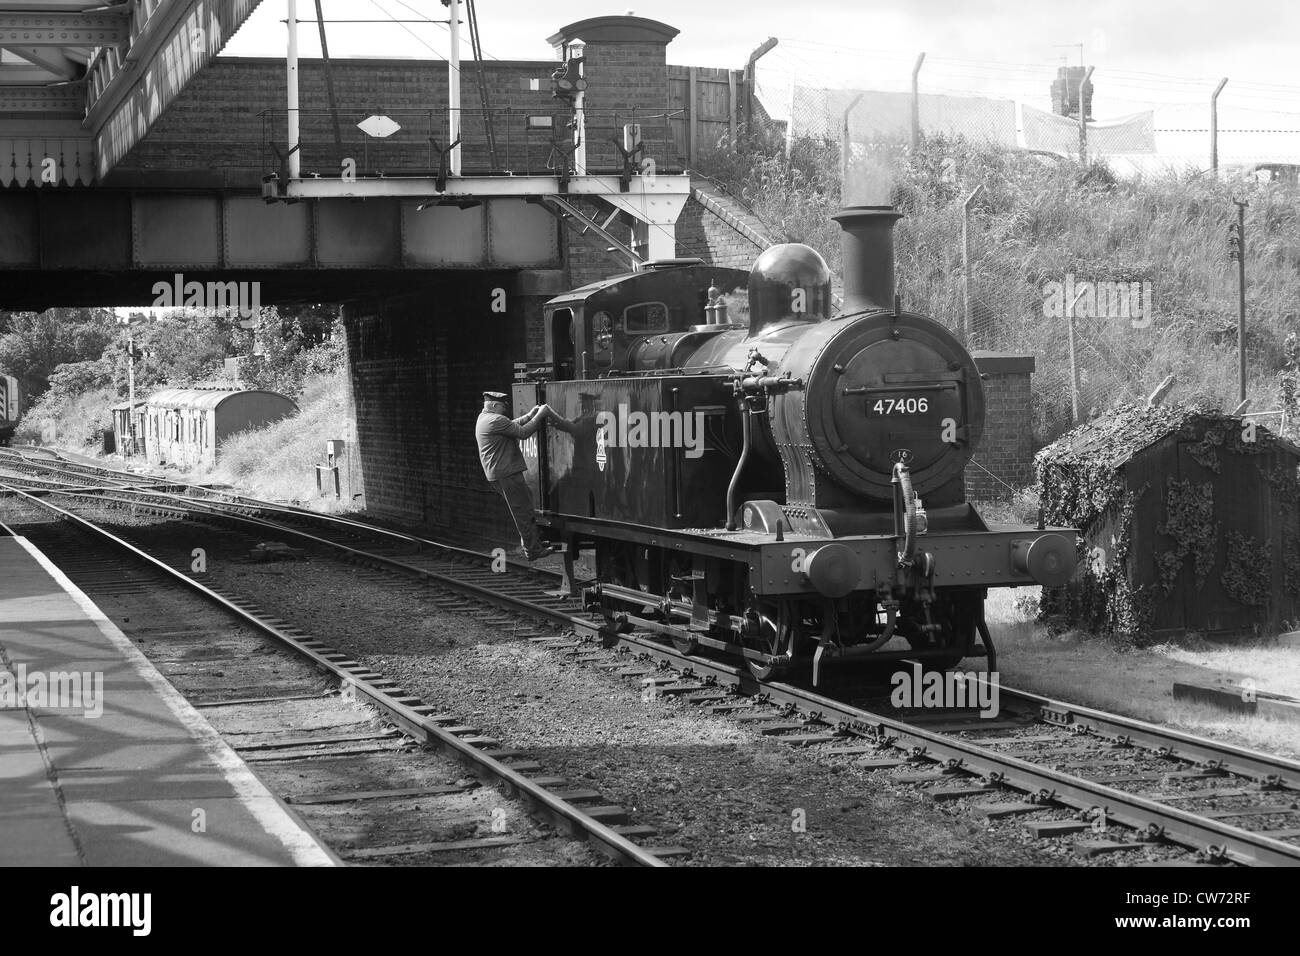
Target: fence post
1239	253
965	264
692	93
789	126
750	77
916	101
844	174
1214	125
1074	368
731	108
1083	120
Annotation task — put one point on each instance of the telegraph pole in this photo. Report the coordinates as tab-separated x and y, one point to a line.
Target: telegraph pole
292	117
130	386
129	450
453	87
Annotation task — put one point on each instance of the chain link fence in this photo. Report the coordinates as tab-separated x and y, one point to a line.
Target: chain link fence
1136	121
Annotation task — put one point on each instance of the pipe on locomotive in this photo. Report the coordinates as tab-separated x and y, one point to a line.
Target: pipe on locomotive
747	443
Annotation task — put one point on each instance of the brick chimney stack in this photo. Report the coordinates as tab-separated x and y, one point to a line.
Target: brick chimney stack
626	69
1065	92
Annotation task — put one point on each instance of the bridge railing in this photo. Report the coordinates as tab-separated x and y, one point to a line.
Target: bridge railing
526	142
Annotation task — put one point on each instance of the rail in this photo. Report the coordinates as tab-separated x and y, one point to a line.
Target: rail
529	142
405	715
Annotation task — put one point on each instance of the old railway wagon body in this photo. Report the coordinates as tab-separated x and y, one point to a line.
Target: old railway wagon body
122	421
784	488
184	427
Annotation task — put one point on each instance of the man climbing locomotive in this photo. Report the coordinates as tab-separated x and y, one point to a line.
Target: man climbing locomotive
503	464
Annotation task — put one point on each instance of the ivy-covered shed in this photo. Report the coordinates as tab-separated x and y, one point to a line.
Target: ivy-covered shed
1190	521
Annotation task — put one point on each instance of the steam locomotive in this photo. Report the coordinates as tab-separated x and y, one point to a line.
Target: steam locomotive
783	489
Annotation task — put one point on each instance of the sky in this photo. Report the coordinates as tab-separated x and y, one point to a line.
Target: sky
1151	53
1195	38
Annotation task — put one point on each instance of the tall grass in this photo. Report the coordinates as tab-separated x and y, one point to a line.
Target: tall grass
1037	221
278	462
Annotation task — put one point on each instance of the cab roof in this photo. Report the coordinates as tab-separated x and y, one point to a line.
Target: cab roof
651	276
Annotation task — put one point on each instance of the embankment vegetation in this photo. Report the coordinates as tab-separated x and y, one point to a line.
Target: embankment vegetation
1038	220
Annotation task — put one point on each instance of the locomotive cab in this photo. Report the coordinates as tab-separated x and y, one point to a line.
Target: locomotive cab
591	331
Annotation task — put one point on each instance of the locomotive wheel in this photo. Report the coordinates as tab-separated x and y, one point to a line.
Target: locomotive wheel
776	632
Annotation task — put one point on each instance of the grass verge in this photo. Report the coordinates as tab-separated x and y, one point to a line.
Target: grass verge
278	462
1138	682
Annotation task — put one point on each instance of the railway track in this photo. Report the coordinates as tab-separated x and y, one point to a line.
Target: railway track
408	722
1118	782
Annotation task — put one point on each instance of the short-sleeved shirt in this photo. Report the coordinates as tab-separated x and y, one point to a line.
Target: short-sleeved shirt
498	443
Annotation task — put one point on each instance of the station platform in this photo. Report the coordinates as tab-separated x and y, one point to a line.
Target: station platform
102	761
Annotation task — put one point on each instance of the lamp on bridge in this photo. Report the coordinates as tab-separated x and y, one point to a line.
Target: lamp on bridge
378	126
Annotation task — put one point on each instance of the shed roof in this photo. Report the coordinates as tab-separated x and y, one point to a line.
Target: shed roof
204	397
1114	439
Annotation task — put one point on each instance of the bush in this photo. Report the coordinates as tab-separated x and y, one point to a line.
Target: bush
34	345
78	419
285	357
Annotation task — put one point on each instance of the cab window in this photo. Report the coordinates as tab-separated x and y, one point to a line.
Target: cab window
645	318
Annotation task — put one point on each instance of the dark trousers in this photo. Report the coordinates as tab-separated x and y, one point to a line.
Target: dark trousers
515	490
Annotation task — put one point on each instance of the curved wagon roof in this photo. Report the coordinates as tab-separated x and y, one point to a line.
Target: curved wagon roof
206	397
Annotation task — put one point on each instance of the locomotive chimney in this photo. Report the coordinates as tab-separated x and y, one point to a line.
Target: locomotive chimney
867	245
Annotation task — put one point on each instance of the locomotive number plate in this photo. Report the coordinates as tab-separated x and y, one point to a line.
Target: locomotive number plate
898	406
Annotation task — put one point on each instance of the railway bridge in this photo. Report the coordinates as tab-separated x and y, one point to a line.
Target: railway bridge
441	205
